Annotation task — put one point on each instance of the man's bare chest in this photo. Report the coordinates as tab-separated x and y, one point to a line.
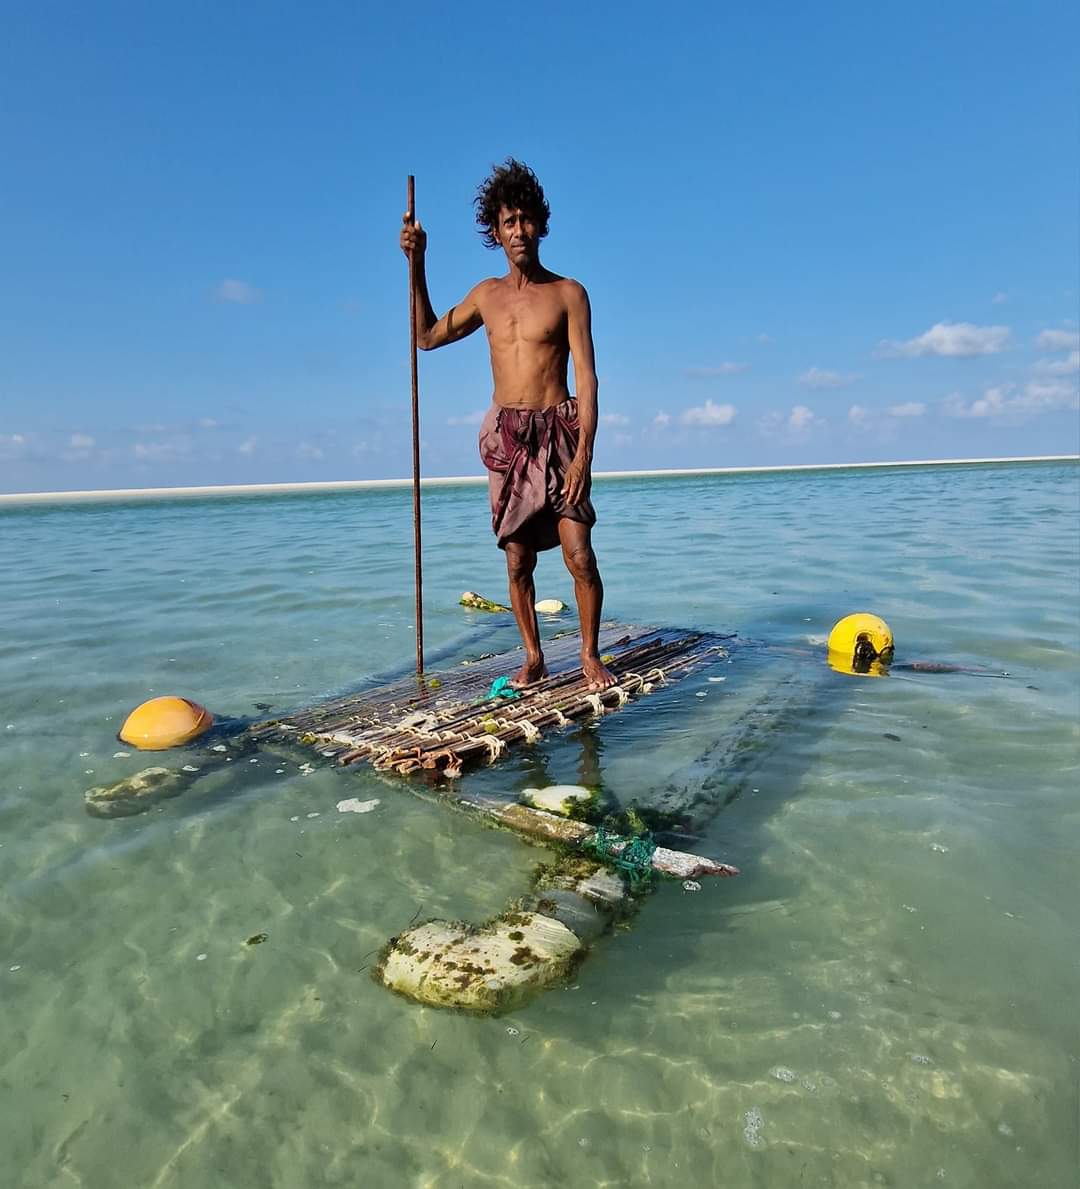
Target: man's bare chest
535	319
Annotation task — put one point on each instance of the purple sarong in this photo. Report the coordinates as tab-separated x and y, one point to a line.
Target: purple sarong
526	452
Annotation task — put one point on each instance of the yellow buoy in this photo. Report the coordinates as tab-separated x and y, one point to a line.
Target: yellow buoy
165	722
861	643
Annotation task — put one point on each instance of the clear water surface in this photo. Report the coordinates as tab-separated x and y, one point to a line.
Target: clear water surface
886	996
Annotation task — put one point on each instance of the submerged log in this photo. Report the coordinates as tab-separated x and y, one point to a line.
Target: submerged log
536	823
136	793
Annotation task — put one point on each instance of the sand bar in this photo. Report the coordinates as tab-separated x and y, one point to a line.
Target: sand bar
231	489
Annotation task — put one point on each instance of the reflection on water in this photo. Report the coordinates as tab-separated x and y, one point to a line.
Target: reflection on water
886	996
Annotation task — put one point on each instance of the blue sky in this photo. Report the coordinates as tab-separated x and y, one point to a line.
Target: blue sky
810	233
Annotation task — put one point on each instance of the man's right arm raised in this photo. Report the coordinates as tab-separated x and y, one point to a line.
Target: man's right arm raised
459	321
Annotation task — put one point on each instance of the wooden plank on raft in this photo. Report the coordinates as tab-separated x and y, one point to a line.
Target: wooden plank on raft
445	719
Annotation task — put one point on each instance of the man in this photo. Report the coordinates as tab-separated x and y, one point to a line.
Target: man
536	440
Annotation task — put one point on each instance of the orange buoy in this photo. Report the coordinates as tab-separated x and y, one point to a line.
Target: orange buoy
165	722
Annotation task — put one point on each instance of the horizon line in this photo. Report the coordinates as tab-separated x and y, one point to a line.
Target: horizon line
314	486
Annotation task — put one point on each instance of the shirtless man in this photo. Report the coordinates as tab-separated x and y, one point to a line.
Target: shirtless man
536	440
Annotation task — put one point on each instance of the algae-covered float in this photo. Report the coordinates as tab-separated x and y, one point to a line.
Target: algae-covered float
434	727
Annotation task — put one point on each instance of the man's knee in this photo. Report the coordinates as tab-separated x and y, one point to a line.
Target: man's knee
520	563
580	561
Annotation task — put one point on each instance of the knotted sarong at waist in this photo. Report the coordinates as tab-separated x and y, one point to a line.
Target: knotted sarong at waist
526	452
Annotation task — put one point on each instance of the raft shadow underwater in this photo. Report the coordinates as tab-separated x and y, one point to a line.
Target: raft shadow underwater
636	968
749	801
699	794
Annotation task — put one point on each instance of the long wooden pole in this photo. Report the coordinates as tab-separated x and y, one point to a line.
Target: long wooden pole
415	441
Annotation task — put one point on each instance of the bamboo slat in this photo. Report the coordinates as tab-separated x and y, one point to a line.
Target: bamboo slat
443	721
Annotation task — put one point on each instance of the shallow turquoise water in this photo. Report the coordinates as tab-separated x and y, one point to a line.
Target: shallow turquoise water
886	996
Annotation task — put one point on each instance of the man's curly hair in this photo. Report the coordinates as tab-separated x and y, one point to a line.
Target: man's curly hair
513	185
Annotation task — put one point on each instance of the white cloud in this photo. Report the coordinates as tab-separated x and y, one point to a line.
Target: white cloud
999	299
883	423
239	292
956	339
796	423
1005	401
160	451
720	369
1049	394
1058	340
709	414
176	428
1060	367
366	447
662	420
78	448
614	419
247	447
309	452
473	418
12	446
992	403
764	339
816	377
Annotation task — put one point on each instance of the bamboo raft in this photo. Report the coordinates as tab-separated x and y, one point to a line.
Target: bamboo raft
441	722
435	725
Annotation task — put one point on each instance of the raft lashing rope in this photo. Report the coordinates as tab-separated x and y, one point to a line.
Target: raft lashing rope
471	712
633	857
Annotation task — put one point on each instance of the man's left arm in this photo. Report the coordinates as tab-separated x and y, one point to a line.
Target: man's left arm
578	477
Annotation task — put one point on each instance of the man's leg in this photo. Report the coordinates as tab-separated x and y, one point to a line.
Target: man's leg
520	563
589	591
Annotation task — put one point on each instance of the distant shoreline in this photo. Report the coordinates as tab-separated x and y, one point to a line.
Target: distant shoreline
163	493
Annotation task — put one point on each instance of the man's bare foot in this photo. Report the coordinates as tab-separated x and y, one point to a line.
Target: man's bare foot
530	672
596	673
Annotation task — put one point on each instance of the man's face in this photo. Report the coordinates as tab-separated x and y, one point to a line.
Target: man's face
519	234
